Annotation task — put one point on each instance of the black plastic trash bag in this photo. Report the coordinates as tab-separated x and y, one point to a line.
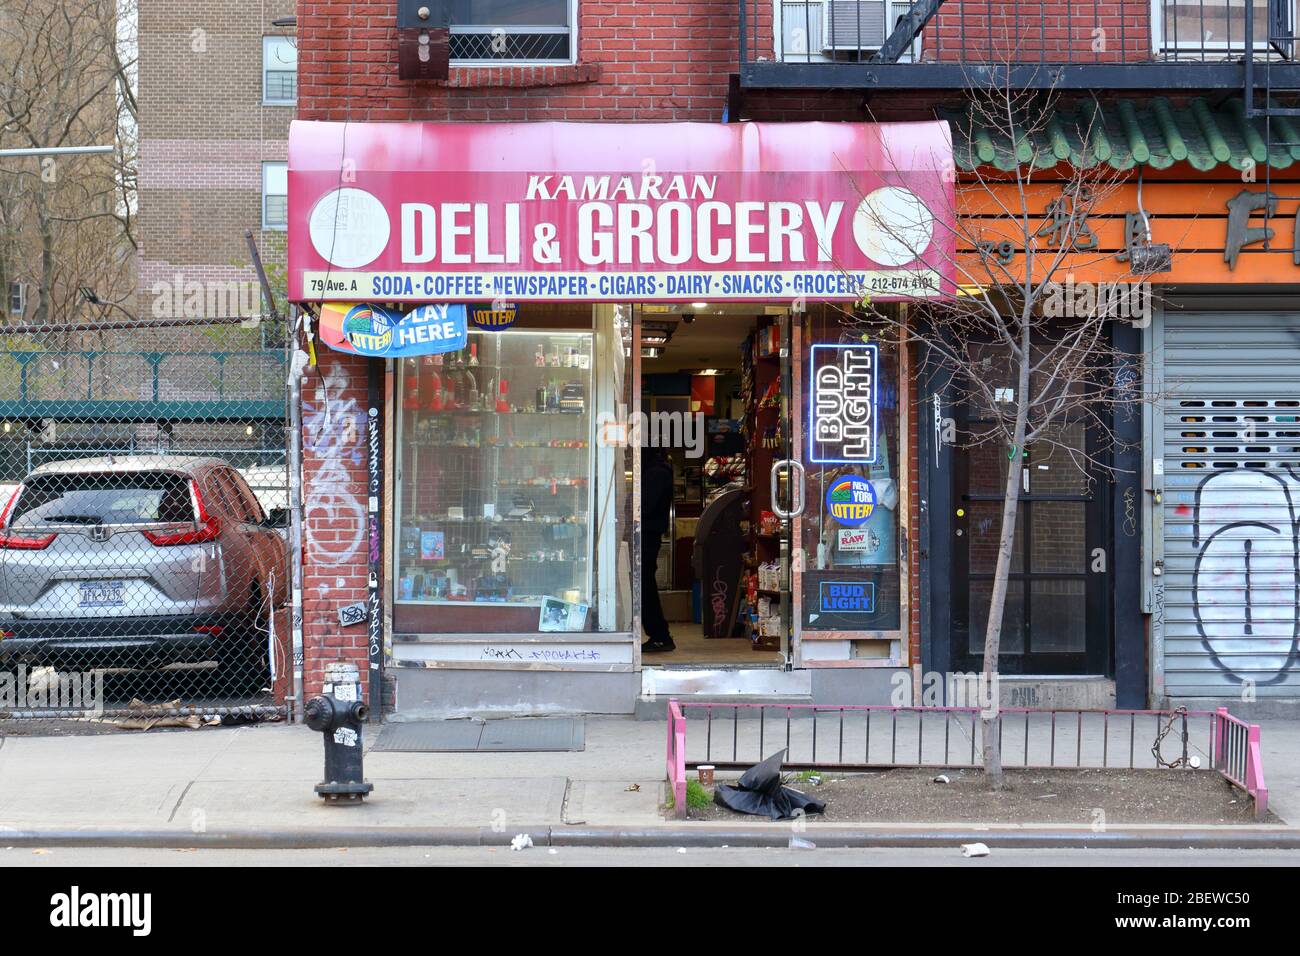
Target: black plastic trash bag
759	792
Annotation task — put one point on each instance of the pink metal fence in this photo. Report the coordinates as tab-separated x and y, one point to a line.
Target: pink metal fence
857	737
1237	756
676	758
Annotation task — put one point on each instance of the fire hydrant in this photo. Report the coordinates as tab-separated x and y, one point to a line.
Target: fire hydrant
340	724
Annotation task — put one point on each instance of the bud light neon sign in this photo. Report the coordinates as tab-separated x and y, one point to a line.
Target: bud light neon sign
843	404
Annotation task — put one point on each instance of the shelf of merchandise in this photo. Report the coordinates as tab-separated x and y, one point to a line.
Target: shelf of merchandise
476	461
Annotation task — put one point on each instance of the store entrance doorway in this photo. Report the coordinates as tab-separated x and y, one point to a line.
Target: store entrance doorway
715	397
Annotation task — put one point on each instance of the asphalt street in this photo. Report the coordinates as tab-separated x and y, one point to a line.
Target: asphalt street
657	856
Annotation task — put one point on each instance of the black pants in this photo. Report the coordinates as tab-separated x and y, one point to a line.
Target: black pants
652	612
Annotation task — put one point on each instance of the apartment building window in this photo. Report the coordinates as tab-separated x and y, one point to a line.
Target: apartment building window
17	298
275	195
514	31
822	31
1199	29
279	71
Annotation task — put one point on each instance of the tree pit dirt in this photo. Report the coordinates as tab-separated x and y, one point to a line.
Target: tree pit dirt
1056	796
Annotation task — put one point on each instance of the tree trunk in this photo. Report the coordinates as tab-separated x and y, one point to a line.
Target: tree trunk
991	724
45	289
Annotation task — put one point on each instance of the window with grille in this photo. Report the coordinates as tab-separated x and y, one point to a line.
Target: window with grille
17	298
279	71
1196	29
514	31
275	195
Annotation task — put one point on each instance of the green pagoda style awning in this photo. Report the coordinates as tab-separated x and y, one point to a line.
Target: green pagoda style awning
1126	133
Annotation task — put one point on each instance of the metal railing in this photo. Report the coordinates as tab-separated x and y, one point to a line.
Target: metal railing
1237	756
871	737
875	40
855	738
676	758
142	385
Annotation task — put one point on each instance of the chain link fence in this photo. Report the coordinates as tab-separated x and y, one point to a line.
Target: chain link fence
144	564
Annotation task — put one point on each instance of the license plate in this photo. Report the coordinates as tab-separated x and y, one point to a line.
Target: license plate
102	594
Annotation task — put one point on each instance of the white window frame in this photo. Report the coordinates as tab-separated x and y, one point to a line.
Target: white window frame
1158	44
266	225
912	54
573	44
21	290
267	43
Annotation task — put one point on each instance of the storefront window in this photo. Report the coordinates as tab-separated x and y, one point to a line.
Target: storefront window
497	480
498	521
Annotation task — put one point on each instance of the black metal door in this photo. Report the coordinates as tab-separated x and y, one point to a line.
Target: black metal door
1056	619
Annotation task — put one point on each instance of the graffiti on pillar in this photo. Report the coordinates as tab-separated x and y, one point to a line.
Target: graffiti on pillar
1130	511
334	513
1246	577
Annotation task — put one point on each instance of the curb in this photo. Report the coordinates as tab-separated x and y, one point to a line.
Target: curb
1221	838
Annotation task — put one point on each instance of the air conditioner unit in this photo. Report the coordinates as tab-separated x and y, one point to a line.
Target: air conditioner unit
865	25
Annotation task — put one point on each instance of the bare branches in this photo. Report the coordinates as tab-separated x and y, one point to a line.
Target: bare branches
1017	344
67	78
1023	348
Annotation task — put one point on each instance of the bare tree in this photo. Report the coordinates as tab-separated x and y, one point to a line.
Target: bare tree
1021	341
67	78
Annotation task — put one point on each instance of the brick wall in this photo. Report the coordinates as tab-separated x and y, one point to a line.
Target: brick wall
204	135
648	61
1040	30
914	465
334	489
670	61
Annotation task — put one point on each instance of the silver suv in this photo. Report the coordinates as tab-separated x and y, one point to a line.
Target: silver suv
140	562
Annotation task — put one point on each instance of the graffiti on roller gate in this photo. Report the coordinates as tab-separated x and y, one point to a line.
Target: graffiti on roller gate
335	512
1246	573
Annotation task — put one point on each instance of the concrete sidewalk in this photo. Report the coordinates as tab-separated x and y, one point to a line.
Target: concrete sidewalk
245	779
259	776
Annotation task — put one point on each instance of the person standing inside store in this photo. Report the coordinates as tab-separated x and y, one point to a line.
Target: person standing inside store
656	504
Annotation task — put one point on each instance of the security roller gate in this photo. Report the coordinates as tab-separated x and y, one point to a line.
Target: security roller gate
1226	603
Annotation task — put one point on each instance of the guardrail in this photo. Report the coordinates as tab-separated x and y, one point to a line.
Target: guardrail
861	737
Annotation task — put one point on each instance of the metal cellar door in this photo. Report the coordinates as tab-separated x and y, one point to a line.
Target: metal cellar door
1226	597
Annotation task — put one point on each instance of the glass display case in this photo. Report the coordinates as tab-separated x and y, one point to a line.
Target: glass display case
495	473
